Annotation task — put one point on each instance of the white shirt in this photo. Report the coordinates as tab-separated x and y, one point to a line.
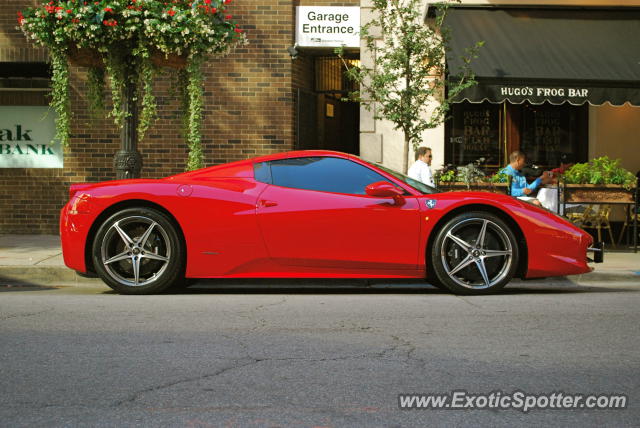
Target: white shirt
422	172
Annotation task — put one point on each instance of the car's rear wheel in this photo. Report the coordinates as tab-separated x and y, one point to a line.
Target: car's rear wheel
474	253
138	251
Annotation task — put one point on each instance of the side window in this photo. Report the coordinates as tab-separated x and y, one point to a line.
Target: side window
325	174
262	172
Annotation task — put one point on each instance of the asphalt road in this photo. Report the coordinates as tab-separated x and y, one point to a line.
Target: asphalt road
312	357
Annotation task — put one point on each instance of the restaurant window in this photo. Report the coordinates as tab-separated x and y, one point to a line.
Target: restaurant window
553	134
474	132
548	134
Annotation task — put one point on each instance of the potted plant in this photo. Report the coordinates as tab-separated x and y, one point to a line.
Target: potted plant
599	180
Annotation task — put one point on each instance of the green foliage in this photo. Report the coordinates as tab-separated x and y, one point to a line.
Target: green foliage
194	91
147	73
446	176
578	174
468	174
407	83
126	34
60	96
499	177
116	69
95	89
193	27
602	170
471	173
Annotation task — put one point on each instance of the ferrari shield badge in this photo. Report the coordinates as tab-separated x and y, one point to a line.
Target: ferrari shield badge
431	203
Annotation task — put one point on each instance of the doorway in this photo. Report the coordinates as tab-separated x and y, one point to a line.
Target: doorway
323	119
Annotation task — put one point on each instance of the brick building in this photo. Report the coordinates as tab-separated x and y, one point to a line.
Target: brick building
251	108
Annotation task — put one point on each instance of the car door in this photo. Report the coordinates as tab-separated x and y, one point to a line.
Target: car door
315	214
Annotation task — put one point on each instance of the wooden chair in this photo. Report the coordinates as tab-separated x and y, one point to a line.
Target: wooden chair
598	219
578	217
628	221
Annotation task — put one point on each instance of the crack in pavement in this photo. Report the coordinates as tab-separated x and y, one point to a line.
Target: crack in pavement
133	397
247	362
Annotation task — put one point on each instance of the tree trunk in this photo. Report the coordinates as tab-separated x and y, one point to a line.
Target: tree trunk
405	155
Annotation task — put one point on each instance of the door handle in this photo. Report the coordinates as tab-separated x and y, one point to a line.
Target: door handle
265	203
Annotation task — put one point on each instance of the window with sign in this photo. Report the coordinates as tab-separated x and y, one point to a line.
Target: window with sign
551	135
548	134
473	133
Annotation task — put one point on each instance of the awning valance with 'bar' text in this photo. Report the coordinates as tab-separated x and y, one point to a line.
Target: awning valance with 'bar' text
559	56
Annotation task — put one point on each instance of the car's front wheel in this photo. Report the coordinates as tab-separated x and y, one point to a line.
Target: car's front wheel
474	253
138	251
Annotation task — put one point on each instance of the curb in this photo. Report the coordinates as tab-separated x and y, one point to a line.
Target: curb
60	275
43	275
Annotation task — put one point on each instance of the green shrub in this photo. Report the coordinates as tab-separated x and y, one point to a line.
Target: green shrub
600	170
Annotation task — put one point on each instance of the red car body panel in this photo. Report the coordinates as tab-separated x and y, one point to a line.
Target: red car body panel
236	226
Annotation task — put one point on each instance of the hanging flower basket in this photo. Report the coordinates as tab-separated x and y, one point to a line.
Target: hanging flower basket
84	57
120	41
161	59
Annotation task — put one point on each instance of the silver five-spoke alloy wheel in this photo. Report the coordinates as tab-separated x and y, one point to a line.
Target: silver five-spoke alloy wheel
474	253
135	251
139	251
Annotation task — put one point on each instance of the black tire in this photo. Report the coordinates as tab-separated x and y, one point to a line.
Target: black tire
139	237
463	264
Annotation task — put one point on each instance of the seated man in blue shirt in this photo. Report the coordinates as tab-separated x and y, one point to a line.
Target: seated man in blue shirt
519	186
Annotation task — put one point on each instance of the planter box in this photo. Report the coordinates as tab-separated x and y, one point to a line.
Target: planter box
160	59
475	187
597	193
84	57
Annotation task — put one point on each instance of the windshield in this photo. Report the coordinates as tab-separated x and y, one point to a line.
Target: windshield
419	186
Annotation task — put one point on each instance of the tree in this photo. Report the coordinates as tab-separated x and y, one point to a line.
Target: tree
408	83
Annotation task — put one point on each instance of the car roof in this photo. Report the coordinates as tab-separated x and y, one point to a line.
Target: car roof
297	154
274	156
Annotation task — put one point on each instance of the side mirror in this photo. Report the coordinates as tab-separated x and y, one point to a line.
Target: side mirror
383	189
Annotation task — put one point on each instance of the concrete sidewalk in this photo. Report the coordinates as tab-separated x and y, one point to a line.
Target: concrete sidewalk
37	260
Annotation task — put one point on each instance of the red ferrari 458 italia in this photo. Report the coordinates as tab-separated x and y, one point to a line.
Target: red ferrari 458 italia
313	214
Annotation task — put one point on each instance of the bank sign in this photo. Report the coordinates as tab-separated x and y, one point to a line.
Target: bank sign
25	138
327	26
